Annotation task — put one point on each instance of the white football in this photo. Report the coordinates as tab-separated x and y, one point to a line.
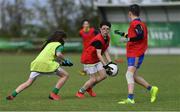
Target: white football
114	69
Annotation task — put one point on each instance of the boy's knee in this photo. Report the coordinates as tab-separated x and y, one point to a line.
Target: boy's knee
129	77
93	80
65	75
104	77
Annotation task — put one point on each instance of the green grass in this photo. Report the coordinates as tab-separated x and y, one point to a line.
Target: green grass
162	71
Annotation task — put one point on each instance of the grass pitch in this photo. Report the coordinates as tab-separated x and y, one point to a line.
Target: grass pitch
162	71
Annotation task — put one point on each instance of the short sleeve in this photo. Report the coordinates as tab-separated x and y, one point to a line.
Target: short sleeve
60	48
97	44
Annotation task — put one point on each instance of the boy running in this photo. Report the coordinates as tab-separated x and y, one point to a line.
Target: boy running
48	62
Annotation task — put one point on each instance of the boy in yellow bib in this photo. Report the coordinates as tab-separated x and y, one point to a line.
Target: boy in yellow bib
48	61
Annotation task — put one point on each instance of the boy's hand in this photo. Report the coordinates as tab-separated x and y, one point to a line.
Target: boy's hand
67	62
123	34
124	39
108	69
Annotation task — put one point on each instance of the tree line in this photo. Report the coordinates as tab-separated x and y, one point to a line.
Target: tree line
37	18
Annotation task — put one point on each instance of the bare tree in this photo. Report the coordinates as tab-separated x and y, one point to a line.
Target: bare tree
18	20
3	16
62	10
88	11
58	14
13	17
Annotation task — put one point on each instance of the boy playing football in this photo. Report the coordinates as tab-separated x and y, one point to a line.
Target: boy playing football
94	63
136	46
87	33
48	62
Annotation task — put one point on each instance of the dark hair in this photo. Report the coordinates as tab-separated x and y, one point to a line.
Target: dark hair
105	23
57	36
134	9
82	22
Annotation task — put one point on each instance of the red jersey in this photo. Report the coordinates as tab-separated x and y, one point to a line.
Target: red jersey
87	36
89	55
137	48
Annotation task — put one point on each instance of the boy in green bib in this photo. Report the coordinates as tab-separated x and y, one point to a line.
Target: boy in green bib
47	62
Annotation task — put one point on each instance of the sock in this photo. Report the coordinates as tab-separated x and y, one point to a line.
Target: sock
149	88
131	96
92	86
82	90
14	93
55	90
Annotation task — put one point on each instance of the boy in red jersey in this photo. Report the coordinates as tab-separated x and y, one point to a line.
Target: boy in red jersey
87	33
94	63
136	46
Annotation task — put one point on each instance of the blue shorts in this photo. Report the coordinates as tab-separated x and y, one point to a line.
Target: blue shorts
135	61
